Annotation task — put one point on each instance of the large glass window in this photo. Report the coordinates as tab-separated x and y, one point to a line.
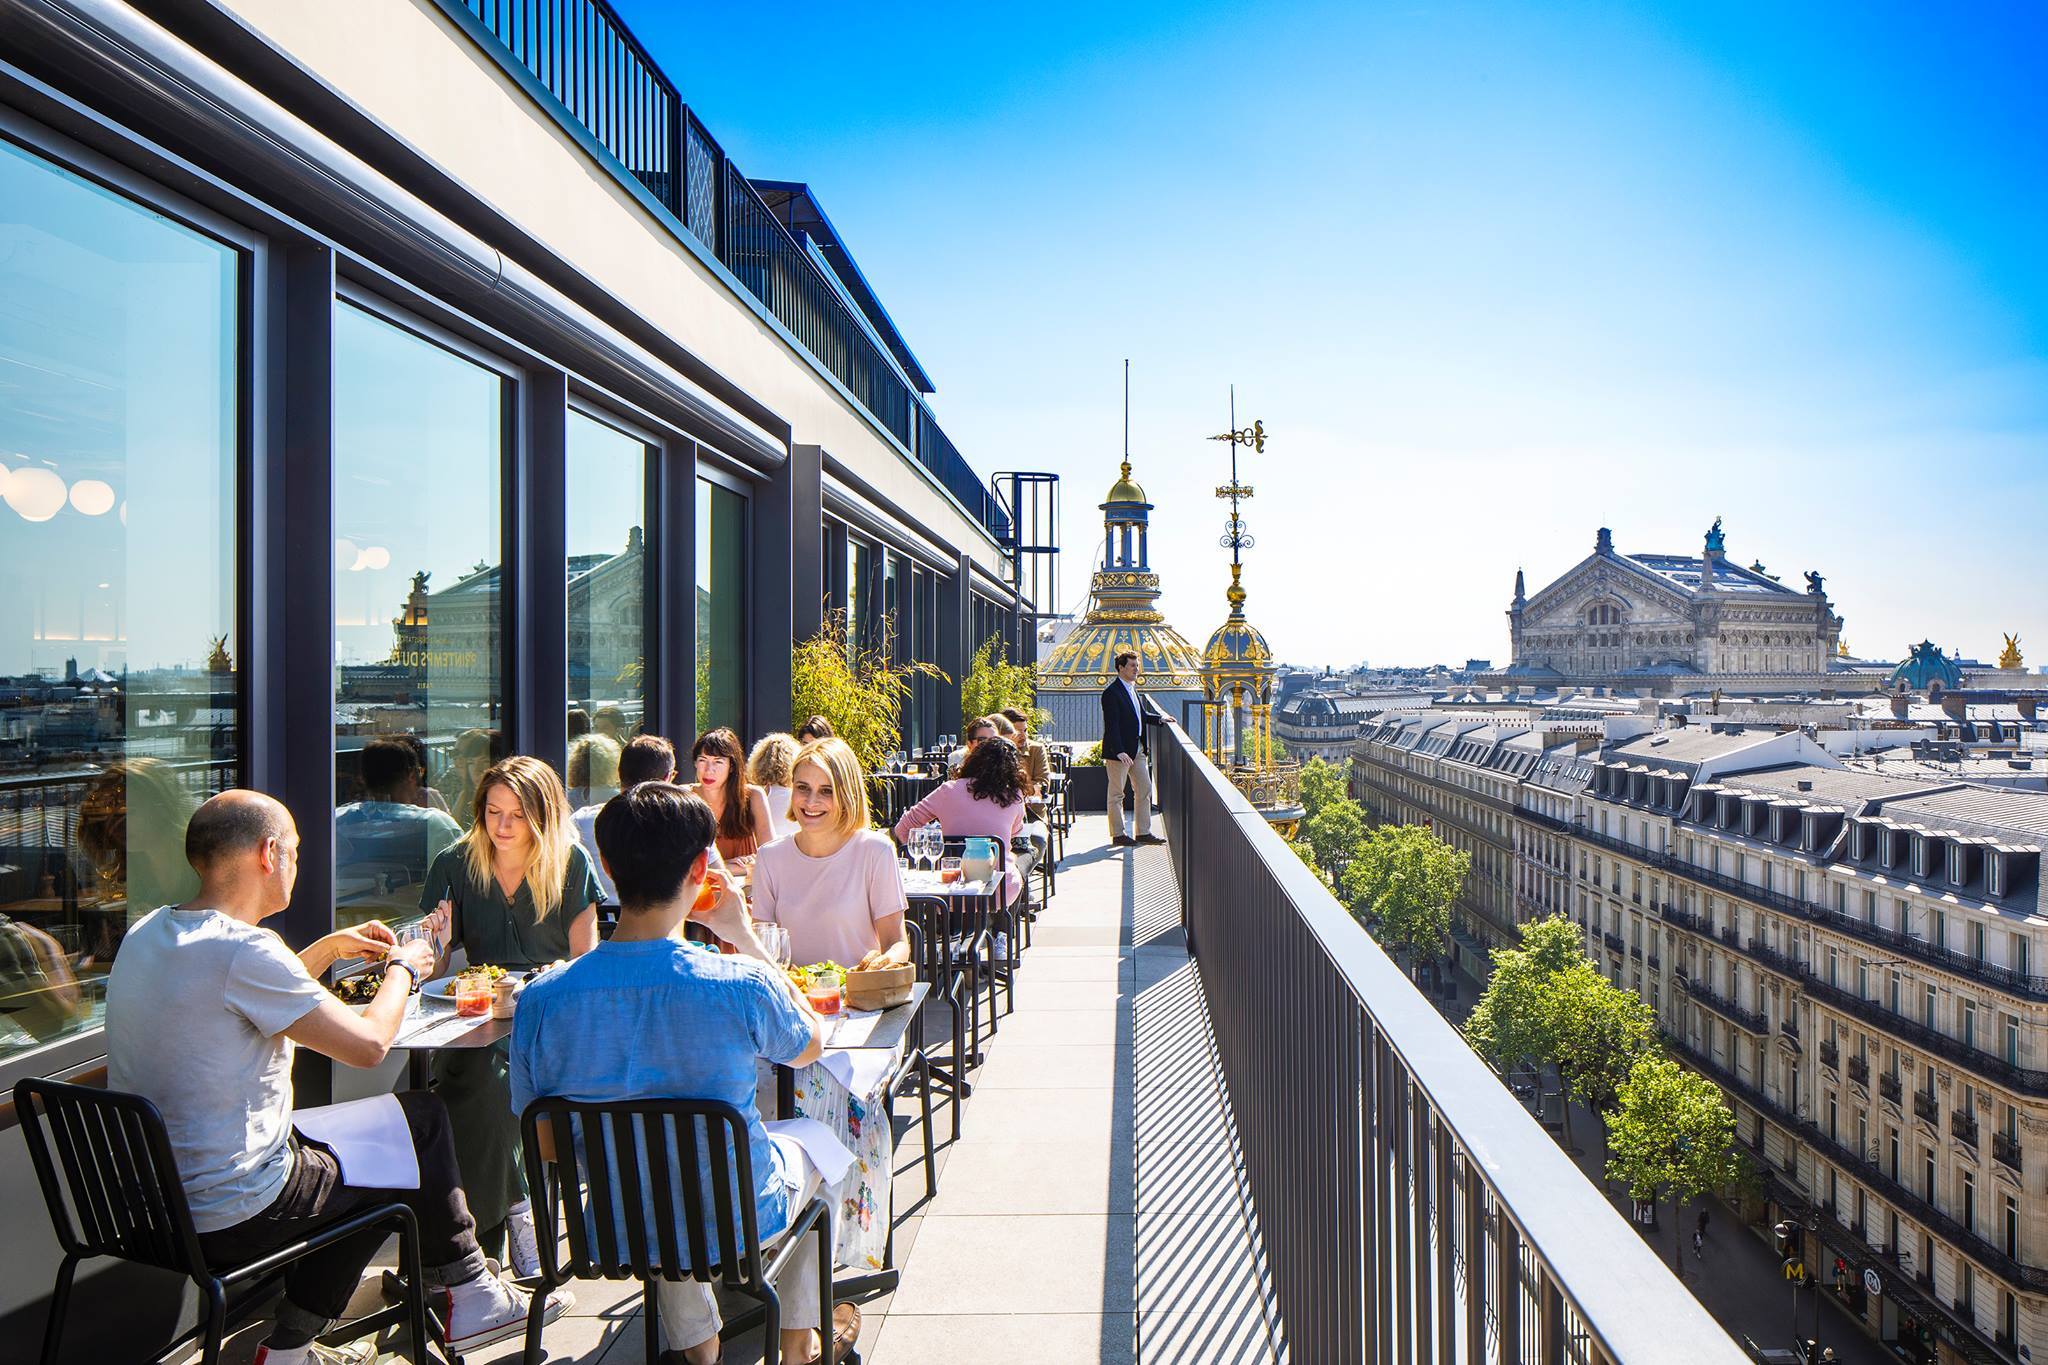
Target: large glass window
419	445
607	507
119	701
721	604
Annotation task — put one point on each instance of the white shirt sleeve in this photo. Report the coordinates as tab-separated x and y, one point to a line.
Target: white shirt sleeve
269	986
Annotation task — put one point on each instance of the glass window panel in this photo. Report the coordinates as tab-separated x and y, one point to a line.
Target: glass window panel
721	604
119	701
607	506
419	444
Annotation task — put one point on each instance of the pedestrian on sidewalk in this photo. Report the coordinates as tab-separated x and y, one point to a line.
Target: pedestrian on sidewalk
1699	1237
1701	1226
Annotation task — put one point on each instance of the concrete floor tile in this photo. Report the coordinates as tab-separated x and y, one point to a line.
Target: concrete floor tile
1057	1116
992	1265
1067	1338
1072	995
1074	967
1203	1339
1182	1177
1052	1066
1064	1026
1003	1177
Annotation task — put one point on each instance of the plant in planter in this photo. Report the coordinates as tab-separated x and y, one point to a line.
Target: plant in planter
993	683
860	690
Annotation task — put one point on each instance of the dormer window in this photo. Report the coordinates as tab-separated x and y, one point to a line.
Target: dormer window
1887	848
1925	847
1998	871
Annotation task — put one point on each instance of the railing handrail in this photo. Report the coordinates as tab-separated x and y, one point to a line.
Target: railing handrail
1618	1288
625	103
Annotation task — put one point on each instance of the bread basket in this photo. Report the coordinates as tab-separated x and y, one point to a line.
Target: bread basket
880	987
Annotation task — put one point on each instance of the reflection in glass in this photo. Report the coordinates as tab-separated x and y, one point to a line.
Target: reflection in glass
419	439
721	600
607	505
118	695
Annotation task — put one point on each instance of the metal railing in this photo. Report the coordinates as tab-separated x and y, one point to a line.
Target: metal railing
1749	1019
587	59
1410	1208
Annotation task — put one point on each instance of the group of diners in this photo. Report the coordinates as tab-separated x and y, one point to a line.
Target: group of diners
205	1005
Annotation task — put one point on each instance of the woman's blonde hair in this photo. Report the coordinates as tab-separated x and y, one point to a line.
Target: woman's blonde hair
849	787
545	805
773	760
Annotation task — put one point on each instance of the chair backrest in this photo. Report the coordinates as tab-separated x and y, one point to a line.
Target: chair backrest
650	1171
109	1180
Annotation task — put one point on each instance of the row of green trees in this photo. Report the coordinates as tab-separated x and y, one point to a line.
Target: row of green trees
1669	1131
1400	881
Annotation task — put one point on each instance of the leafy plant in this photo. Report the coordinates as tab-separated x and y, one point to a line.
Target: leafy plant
1670	1133
1406	879
1335	833
993	683
1322	783
858	688
1090	757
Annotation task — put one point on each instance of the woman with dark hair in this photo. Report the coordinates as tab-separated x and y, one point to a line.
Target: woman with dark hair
986	799
741	807
817	727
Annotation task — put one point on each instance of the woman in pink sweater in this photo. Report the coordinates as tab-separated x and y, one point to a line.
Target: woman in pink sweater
986	799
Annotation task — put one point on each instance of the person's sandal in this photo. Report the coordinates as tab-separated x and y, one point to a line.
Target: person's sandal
845	1334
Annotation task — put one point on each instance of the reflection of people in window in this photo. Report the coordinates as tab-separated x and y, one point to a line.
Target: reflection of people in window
475	752
132	825
593	770
388	834
424	793
611	723
38	992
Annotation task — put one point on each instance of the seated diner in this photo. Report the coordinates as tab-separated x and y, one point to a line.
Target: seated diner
834	884
517	893
986	799
204	1008
647	1015
768	769
740	807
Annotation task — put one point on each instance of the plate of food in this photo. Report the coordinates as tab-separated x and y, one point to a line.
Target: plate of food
357	989
443	987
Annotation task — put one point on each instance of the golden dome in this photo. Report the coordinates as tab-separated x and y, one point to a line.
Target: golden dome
1126	489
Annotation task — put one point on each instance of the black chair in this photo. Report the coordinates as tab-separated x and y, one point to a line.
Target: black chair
111	1187
926	923
696	1154
917	1062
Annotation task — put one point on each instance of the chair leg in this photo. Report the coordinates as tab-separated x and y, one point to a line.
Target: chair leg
924	1088
771	1325
536	1318
60	1303
650	1315
825	1288
216	1324
415	1292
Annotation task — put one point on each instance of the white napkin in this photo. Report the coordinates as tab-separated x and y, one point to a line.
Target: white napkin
861	1070
815	1143
370	1141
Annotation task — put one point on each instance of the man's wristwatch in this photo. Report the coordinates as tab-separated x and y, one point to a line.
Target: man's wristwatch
406	967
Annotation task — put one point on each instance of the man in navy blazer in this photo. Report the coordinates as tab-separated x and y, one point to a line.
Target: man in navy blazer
1125	753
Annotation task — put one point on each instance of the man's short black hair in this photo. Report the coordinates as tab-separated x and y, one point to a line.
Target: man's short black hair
649	836
387	764
1126	657
646	758
232	823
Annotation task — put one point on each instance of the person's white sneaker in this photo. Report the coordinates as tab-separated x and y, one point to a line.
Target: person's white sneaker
522	1242
489	1309
354	1353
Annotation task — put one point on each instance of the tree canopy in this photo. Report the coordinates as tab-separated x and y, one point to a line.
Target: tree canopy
1670	1134
1407	880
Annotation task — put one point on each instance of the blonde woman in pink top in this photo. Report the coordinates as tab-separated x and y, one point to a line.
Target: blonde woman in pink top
833	884
986	799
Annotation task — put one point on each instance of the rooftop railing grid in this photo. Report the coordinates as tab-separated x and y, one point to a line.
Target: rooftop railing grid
584	56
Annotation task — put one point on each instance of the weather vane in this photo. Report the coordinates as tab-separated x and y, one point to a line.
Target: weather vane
1235	538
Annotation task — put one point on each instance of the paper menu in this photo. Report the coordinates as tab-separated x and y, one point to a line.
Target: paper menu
369	1138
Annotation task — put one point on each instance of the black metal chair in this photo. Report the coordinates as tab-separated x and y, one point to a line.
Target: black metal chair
927	923
917	1062
696	1156
111	1186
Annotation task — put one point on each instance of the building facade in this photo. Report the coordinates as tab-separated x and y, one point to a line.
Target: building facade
1853	957
393	371
1670	624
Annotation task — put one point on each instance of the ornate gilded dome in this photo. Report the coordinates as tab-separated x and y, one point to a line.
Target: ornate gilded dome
1126	489
1238	642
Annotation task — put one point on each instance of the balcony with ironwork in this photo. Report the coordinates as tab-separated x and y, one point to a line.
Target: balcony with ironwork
1889	1086
1831	1055
1927	1108
1859	1070
1964	1126
1740	1015
2005	1149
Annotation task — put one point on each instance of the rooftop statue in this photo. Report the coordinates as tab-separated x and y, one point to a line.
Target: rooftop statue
1716	541
2012	658
1814	582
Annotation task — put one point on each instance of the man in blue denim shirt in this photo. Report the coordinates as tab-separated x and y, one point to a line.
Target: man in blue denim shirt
647	1016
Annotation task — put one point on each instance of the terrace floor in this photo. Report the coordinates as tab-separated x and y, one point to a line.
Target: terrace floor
1093	1208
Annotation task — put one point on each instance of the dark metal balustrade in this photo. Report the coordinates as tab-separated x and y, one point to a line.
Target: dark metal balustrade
1410	1208
2006	1149
1925	1107
1752	1020
583	55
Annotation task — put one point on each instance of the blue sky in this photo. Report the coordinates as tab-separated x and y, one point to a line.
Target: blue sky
1493	275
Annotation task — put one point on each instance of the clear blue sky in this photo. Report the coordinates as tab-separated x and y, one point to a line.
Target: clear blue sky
1493	275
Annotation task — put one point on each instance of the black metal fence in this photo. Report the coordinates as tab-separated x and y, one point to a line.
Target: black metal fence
1410	1208
583	54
